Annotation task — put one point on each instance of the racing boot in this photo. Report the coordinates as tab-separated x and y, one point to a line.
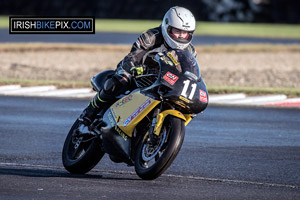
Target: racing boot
89	114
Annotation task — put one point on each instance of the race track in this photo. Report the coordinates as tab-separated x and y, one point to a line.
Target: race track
228	153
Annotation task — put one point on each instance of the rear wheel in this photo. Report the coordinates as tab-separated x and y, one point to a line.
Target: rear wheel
80	154
153	159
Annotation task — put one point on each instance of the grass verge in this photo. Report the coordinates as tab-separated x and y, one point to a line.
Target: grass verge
206	28
238	48
17	47
202	28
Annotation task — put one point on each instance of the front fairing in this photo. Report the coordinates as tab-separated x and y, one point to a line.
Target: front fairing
189	96
184	89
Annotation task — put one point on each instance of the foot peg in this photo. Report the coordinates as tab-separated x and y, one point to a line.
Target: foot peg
83	130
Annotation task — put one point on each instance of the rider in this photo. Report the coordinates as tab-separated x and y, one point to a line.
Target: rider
175	32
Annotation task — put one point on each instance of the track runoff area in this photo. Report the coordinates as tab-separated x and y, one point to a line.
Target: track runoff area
241	99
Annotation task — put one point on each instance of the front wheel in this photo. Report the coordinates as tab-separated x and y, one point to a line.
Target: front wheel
80	154
153	159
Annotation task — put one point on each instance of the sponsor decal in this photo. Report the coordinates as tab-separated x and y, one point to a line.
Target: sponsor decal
42	25
111	119
172	58
164	59
137	111
121	133
184	99
203	96
170	78
170	63
124	100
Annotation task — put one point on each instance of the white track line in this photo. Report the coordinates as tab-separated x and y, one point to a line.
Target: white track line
226	97
290	100
230	99
9	87
164	175
66	92
26	91
256	100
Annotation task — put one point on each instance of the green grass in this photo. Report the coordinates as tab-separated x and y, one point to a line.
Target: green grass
247	29
207	28
4	22
203	28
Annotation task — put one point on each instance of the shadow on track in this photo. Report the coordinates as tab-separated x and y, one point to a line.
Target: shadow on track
56	173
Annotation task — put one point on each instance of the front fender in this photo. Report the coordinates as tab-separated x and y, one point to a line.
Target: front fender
161	117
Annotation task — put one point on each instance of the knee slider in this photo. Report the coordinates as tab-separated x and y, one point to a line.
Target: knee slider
109	86
113	86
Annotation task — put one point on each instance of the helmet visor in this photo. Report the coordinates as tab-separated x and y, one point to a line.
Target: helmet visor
179	35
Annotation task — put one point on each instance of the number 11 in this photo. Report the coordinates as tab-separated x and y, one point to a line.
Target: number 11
185	88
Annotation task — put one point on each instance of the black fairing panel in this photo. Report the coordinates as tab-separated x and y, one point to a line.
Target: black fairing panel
189	94
115	142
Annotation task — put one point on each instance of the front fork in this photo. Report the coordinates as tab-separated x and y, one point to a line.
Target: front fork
152	136
159	117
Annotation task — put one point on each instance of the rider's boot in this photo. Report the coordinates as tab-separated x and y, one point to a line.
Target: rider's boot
112	87
89	114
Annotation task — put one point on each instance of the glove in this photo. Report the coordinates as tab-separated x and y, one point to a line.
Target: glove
137	70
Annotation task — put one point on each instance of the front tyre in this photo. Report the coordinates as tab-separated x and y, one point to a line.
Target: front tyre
153	159
80	154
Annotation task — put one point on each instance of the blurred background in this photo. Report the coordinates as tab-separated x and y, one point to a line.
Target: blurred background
249	46
271	11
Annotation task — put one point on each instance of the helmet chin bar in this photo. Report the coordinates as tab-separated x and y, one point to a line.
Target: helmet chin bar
176	45
180	39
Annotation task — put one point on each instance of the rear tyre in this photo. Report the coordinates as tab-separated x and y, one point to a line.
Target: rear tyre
153	159
80	154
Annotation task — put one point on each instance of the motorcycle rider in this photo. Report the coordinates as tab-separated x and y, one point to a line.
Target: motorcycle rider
175	32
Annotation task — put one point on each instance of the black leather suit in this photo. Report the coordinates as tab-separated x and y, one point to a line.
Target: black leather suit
142	52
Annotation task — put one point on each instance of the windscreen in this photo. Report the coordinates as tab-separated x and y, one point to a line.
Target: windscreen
185	63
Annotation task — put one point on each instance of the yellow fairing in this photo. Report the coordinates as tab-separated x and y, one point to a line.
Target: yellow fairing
161	117
188	119
131	109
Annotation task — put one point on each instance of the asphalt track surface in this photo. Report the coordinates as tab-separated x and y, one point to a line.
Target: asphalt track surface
228	153
129	38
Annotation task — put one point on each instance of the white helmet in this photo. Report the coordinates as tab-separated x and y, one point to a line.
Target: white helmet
180	18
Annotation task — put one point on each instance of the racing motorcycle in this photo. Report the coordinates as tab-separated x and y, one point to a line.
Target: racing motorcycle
144	128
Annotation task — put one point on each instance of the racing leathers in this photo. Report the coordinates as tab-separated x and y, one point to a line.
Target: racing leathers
139	61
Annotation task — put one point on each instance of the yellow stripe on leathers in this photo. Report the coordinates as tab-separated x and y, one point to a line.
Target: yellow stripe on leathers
161	117
131	109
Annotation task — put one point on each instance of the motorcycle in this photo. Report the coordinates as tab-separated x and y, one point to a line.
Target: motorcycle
144	128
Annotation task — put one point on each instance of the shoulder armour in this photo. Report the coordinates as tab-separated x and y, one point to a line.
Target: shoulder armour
147	40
